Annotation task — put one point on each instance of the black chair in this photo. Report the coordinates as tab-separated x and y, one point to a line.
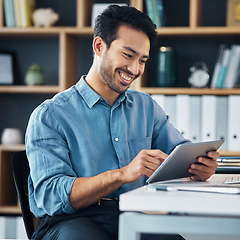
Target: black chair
20	173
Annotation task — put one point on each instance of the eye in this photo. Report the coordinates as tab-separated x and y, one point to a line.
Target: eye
128	55
142	61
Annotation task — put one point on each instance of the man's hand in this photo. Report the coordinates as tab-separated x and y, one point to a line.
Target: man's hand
206	168
145	163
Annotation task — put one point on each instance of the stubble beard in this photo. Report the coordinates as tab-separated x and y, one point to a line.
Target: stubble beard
108	75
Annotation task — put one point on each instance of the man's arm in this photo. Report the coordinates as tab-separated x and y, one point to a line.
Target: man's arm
88	190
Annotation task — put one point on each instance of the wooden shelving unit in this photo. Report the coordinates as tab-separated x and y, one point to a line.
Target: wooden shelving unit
67	65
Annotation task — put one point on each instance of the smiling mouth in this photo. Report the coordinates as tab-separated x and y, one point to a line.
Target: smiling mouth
125	78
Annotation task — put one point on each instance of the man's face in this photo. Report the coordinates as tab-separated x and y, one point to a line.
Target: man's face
125	60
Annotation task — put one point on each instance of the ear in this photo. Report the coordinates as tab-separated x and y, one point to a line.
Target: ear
98	45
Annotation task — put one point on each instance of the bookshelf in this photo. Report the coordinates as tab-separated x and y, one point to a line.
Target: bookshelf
66	67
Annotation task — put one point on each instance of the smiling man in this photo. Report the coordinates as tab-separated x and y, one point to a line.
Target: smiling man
98	139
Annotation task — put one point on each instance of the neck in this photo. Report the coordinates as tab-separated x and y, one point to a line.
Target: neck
94	80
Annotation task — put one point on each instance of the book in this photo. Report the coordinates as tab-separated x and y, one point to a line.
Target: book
9	14
26	10
218	64
237	82
161	12
231	76
17	12
229	160
152	11
223	68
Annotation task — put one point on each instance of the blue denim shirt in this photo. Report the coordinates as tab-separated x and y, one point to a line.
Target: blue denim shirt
78	134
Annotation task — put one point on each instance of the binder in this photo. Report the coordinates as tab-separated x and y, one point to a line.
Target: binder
195	119
3	227
167	102
222	120
182	114
160	99
20	229
208	119
170	108
234	123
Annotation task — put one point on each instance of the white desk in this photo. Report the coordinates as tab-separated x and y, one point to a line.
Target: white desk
192	213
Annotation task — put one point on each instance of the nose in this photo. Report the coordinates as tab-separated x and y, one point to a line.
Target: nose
134	67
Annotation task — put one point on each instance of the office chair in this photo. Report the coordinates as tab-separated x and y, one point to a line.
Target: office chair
20	174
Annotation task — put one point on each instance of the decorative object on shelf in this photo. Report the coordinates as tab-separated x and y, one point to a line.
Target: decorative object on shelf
12	136
34	75
44	17
199	76
233	13
6	68
166	67
98	8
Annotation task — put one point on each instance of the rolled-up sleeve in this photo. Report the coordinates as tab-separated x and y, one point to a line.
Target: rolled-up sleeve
51	175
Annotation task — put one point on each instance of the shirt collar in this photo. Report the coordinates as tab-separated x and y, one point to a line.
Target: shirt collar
91	97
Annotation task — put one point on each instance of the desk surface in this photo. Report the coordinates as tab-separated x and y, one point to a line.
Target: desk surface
143	199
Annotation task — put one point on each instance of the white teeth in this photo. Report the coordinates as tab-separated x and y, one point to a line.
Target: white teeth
125	77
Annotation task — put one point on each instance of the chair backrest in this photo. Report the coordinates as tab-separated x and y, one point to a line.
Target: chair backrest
20	173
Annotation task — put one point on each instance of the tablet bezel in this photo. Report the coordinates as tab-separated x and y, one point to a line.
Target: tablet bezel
176	165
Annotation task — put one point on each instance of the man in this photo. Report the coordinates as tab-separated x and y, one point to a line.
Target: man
99	139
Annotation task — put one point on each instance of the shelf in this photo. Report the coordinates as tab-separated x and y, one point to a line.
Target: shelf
88	31
47	31
16	31
10	210
30	89
183	31
229	154
12	147
190	91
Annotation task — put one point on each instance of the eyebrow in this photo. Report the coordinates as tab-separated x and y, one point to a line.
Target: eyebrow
133	51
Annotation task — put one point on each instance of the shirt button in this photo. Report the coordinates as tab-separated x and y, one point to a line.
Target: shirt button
116	139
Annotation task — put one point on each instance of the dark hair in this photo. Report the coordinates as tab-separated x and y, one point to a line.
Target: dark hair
109	21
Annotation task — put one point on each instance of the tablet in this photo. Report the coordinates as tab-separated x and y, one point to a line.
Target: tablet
176	165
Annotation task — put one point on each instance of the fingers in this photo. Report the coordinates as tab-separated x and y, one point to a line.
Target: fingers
157	154
149	160
214	155
206	167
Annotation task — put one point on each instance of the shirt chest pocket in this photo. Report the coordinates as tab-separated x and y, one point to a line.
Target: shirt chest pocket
136	145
